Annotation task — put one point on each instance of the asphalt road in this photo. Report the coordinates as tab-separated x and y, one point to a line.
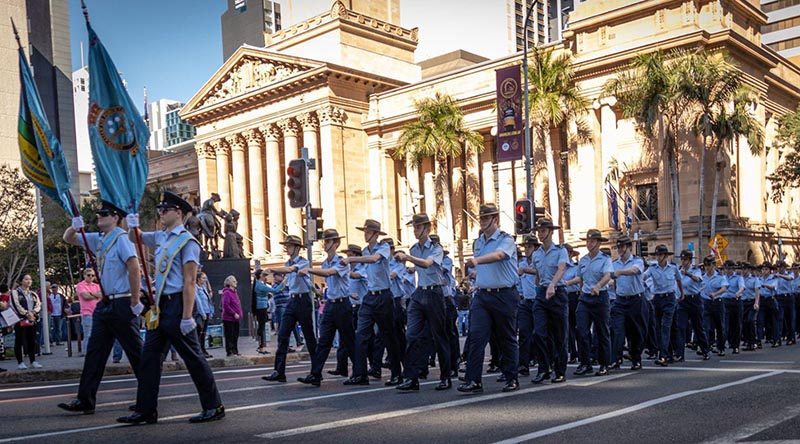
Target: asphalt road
750	397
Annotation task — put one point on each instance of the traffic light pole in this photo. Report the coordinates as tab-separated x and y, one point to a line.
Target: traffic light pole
310	165
528	149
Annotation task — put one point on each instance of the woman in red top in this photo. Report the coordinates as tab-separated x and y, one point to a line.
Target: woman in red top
231	316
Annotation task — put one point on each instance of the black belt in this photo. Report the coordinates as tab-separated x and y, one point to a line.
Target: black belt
665	294
558	287
495	290
298	295
430	287
631	296
338	300
169	296
112	297
377	292
691	295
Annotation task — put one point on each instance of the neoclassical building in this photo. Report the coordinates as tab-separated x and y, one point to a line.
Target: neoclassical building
344	84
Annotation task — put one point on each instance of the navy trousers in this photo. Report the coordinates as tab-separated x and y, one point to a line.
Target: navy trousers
337	316
298	311
749	322
592	315
664	305
714	320
572	338
493	312
733	321
628	320
525	327
787	302
551	324
377	308
427	328
690	318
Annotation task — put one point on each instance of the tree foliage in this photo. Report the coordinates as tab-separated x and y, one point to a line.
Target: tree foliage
787	140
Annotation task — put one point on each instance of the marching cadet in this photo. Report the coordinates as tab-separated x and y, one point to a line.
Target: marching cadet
177	256
299	309
690	309
550	317
628	310
427	317
115	317
451	313
714	286
376	307
666	287
527	277
751	297
769	313
338	313
494	308
785	298
358	289
733	305
594	274
400	282
573	293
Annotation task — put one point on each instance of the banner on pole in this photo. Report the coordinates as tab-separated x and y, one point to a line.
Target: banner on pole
510	128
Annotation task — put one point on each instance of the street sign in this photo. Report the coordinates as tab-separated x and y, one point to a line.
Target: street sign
719	242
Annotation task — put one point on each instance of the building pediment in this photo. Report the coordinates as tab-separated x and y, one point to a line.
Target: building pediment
247	71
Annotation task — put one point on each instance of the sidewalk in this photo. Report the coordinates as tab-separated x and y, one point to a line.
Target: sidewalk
58	365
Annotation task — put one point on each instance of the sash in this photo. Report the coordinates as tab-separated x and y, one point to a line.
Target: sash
163	264
108	243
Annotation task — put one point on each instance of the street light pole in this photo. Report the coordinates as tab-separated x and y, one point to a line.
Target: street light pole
527	126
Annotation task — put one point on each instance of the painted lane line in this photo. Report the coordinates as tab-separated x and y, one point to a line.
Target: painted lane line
632	409
427	408
756	427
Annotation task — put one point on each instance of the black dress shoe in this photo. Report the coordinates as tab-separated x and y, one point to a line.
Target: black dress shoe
411	385
661	361
603	371
288	350
357	380
275	377
471	387
706	357
445	384
583	370
510	386
374	374
386	364
636	366
616	365
572	360
311	379
432	363
559	379
539	378
462	378
423	376
396	380
493	369
453	374
132	408
523	371
76	406
209	415
736	351
502	378
138	418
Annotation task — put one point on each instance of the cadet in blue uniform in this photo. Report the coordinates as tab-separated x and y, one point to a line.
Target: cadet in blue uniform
399	284
338	313
573	294
427	318
733	305
550	308
751	297
376	308
690	309
358	289
666	287
177	256
769	319
494	308
786	301
299	309
594	274
628	310
451	313
527	277
115	317
714	286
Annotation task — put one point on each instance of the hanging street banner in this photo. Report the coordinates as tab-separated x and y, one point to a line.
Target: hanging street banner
510	130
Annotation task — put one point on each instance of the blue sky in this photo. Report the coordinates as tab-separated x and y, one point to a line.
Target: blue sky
170	46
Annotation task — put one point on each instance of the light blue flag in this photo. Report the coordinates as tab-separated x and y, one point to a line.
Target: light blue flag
40	151
117	132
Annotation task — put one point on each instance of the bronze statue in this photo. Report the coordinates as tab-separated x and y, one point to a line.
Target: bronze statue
211	227
193	225
233	240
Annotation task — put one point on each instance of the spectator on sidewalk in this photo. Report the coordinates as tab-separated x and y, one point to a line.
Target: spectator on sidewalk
231	316
260	307
5	298
56	306
27	305
204	310
89	295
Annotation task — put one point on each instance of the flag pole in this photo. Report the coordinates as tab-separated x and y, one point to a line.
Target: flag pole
86	249
140	249
42	282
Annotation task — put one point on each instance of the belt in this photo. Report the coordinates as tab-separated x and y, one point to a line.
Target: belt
298	295
169	296
495	290
430	287
665	294
558	287
337	300
376	292
630	296
111	297
691	295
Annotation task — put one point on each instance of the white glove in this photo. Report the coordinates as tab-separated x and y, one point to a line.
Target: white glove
77	223
133	220
188	326
137	309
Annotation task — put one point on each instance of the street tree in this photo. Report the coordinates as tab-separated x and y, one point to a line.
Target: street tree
787	140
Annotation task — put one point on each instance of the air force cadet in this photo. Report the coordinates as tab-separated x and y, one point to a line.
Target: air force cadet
666	286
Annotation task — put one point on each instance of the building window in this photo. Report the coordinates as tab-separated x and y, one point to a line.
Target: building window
780	4
786	44
647	201
783	24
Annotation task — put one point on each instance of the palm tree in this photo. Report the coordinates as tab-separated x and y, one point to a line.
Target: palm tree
711	81
554	98
650	91
439	133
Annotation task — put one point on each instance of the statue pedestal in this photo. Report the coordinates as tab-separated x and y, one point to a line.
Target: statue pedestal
217	270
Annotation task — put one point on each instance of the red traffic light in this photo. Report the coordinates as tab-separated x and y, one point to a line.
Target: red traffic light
520	209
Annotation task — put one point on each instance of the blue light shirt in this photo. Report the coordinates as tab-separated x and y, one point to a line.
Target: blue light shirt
409	283
767	292
796	283
399	283
448	281
629	285
500	274
114	270
527	281
190	252
378	273
570	273
712	284
432	275
201	302
592	270
296	283
690	287
358	287
785	285
735	283
665	279
546	262
262	293
751	284
339	283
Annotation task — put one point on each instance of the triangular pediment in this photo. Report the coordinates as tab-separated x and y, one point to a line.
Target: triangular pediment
249	69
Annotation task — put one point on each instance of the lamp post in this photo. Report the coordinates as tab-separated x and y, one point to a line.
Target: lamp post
529	179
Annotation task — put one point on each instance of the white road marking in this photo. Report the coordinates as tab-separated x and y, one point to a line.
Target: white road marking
756	427
427	408
631	409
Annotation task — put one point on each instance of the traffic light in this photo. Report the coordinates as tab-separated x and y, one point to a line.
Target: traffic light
297	183
315	225
538	212
643	249
523	216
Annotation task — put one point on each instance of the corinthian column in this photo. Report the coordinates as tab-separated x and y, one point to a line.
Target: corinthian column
290	129
272	137
239	198
310	126
331	119
256	191
222	151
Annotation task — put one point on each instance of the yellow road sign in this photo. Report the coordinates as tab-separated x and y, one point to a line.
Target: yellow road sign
719	242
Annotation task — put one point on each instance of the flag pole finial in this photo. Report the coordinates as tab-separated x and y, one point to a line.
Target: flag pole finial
85	11
16	33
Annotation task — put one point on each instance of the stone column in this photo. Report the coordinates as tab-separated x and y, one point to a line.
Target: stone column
256	191
310	126
272	137
206	169
608	146
222	151
584	182
331	119
290	129
239	191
